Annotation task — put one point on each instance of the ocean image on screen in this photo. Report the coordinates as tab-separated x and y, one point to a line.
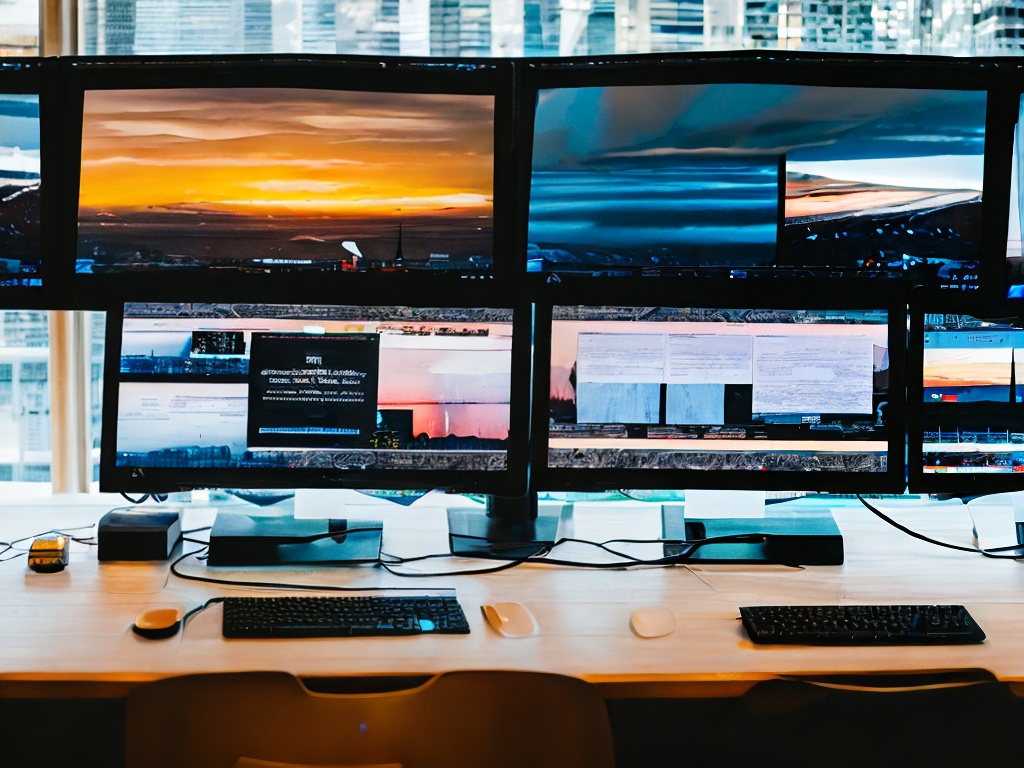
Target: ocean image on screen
285	179
20	189
763	177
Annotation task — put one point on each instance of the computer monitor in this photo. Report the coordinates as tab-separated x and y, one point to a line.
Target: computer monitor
381	396
730	390
303	168
965	395
751	166
25	246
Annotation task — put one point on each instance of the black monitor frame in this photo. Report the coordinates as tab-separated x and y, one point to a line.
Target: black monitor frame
1009	311
1014	263
996	78
809	294
317	72
38	76
509	482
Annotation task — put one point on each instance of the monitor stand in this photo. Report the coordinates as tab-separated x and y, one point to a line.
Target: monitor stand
1017	500
298	531
508	528
806	536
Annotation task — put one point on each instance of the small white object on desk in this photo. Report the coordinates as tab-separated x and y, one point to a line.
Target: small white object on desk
511	619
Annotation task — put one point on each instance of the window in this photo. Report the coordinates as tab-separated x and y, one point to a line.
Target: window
19	27
423	28
24	396
543	27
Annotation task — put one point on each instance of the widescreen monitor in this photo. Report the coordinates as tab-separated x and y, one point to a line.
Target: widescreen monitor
758	167
965	396
24	86
248	395
733	391
224	170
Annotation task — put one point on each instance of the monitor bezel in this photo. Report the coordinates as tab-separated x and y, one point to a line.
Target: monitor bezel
953	484
491	77
997	78
39	76
805	294
1013	265
511	481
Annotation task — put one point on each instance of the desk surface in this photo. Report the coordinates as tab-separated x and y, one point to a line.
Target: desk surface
74	627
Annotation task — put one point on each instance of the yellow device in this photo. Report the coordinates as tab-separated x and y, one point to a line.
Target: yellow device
49	554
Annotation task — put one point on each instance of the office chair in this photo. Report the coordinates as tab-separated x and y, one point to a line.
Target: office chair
963	718
472	719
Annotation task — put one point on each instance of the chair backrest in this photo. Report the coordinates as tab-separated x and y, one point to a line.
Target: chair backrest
471	718
892	719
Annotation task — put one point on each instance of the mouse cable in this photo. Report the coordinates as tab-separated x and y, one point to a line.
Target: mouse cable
993	553
198	609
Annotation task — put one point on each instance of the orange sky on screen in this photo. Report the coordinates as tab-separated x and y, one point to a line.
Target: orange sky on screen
287	151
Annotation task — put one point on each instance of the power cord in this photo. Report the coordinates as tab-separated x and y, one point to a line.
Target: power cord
992	553
9	546
157	497
541	556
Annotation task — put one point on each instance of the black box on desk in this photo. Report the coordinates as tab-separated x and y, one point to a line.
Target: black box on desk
809	538
125	534
243	540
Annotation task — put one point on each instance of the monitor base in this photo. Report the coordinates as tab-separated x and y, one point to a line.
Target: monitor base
246	540
498	533
810	538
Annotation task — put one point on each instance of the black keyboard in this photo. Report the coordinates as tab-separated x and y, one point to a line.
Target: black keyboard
342	616
860	624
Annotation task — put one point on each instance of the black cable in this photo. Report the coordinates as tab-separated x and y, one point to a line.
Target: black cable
630	562
269	584
992	553
504	566
159	498
7	546
190	613
541	556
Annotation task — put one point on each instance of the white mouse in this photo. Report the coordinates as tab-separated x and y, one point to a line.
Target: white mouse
652	621
510	619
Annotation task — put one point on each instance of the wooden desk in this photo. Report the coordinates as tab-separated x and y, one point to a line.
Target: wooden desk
70	632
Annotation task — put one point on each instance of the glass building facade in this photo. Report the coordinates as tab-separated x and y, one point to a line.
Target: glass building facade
548	27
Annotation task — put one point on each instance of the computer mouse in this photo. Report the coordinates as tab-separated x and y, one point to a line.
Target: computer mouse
157	623
652	620
510	619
